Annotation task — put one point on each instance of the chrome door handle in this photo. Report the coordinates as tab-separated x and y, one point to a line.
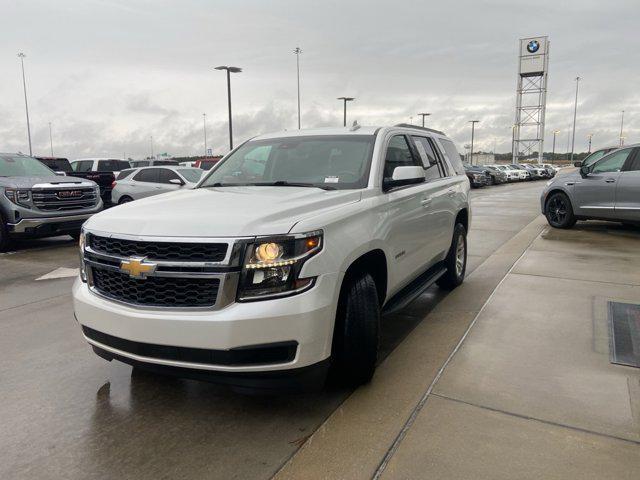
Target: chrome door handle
425	202
610	180
451	192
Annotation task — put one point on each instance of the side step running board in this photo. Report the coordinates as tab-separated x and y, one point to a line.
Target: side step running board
412	291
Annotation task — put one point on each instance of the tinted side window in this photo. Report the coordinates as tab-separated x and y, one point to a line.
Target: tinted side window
147	175
453	155
82	166
634	166
612	162
398	155
112	165
429	157
124	174
140	163
166	175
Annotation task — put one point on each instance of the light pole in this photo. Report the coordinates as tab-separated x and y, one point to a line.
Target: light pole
575	111
424	115
553	150
229	70
621	126
298	51
473	128
26	105
589	136
345	99
50	139
151	143
410	119
204	129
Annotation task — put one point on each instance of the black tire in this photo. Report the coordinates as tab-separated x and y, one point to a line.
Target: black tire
75	235
356	332
124	199
456	261
559	211
5	241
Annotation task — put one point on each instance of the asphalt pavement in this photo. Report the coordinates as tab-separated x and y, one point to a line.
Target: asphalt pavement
66	413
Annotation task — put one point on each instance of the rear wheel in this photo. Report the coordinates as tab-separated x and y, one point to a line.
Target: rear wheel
559	211
356	332
456	261
124	199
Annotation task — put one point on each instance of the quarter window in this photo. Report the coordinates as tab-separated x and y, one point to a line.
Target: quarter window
613	162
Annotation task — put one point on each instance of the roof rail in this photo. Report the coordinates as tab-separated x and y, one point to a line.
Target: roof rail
407	125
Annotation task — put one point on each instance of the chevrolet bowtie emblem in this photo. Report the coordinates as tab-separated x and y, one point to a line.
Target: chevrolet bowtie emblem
137	267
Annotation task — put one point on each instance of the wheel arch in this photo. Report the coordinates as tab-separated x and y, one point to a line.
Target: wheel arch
552	192
373	262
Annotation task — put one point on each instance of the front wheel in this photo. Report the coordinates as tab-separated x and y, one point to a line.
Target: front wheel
559	211
124	199
456	261
356	332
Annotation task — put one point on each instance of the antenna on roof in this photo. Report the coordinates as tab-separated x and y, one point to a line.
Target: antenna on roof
355	126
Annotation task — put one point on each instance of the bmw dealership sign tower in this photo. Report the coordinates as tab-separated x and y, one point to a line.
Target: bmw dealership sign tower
531	98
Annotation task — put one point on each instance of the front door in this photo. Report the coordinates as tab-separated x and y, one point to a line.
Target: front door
628	190
595	194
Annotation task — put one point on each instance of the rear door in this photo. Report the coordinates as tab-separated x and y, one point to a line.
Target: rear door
595	194
437	192
145	183
628	189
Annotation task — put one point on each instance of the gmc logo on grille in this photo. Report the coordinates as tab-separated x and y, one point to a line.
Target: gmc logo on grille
69	194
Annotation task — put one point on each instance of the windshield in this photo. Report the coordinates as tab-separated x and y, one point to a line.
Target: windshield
19	166
329	162
190	174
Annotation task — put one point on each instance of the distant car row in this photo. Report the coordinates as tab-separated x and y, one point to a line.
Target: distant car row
483	175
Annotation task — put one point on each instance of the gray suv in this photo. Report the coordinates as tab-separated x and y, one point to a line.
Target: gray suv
35	202
607	189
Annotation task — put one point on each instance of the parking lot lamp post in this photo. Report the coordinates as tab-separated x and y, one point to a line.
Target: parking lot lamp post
621	127
26	106
345	100
589	136
298	51
575	111
473	128
151	143
229	70
204	129
553	150
50	139
424	115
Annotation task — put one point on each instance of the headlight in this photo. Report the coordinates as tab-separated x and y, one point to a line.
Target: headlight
272	266
19	197
81	244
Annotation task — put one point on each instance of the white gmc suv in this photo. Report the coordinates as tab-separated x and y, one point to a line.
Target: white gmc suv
276	268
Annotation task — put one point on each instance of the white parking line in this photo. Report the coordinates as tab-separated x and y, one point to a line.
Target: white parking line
61	272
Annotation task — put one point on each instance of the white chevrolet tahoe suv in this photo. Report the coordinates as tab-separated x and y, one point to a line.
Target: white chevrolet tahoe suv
277	266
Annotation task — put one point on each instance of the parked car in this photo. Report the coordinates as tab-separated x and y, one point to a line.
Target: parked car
266	279
594	156
522	172
103	171
478	177
536	171
151	163
59	165
512	174
35	202
137	183
207	163
552	170
497	175
607	189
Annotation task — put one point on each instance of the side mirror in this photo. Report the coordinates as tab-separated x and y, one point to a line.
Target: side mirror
176	181
584	170
404	176
577	164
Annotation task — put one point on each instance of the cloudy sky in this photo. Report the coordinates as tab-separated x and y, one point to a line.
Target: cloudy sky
109	74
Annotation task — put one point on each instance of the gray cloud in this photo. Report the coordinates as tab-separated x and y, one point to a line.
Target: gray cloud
111	74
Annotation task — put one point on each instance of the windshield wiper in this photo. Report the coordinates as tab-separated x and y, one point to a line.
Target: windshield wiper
284	183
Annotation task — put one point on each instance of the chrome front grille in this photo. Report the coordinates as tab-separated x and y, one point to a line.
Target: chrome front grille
199	275
79	198
170	251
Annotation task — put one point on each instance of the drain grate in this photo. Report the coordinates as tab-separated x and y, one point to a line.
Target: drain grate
624	327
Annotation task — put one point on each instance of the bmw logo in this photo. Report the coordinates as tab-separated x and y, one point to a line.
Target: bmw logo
533	46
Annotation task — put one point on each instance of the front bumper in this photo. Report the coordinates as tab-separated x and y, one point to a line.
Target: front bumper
49	225
306	319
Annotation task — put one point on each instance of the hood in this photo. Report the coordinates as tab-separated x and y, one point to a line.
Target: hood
220	212
53	181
